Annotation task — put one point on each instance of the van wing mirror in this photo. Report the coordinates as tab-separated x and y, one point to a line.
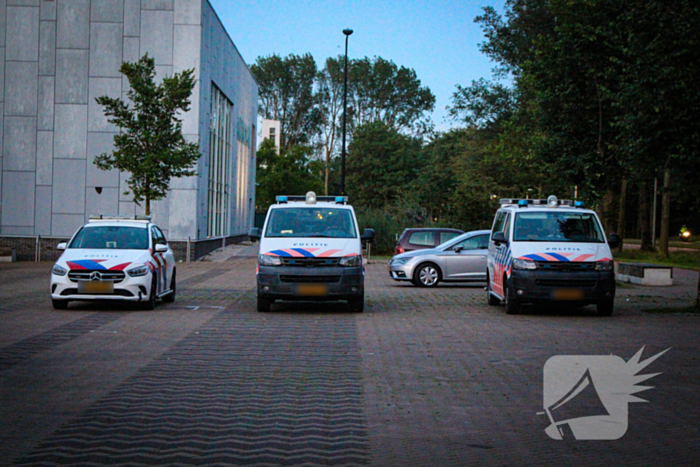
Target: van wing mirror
614	240
254	234
61	246
161	248
368	236
499	238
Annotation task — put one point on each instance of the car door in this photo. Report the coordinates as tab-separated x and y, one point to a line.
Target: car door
498	254
165	261
467	259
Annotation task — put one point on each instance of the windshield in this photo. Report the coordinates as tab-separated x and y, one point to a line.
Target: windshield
311	222
557	226
111	238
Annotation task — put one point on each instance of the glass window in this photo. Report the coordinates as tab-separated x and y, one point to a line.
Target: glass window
311	222
506	226
111	237
426	238
480	242
220	155
446	236
498	223
557	226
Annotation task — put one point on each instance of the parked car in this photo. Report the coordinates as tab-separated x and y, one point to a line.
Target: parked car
461	259
115	258
424	238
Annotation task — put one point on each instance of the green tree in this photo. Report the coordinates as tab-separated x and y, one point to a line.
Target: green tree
330	104
150	145
286	89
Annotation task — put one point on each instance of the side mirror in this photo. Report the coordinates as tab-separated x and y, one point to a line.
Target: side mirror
499	238
61	246
614	240
160	248
458	248
368	236
254	234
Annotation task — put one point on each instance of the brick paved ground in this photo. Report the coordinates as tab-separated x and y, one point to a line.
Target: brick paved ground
423	377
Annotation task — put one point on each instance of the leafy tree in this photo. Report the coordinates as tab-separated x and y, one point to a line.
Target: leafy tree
291	172
150	146
330	104
286	89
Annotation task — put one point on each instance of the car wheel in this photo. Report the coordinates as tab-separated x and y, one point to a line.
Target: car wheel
59	304
490	298
427	275
170	298
150	304
512	307
357	305
264	304
605	307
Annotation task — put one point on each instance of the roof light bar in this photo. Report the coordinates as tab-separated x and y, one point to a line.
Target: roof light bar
552	201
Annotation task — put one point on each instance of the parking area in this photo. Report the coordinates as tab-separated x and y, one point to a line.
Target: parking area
422	377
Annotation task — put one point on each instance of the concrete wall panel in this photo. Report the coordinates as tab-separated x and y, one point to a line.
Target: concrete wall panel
18	199
187	48
131	49
99	143
3	24
105	49
73	29
70	140
21	89
188	12
71	76
65	225
45	103
42	214
106	202
44	158
132	18
24	2
47	48
110	87
157	35
69	186
2	72
107	11
157	4
48	11
19	150
182	222
124	188
22	41
126	208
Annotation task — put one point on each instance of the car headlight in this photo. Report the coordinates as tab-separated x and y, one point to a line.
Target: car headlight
269	260
138	271
524	264
351	261
398	261
604	266
58	270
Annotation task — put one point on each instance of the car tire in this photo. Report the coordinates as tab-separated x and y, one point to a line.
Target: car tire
264	304
427	275
170	298
357	305
606	307
59	304
512	307
491	299
150	304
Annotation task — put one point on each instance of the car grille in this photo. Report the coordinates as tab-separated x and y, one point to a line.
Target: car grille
568	266
565	283
307	279
310	262
105	275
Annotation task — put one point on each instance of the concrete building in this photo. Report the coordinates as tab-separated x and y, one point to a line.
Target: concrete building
271	130
56	56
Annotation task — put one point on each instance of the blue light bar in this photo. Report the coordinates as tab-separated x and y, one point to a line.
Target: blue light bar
340	199
579	204
282	199
522	203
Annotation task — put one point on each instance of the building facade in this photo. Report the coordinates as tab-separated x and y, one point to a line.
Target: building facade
271	130
57	56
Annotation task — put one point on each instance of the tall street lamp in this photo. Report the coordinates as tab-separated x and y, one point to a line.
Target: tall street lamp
347	33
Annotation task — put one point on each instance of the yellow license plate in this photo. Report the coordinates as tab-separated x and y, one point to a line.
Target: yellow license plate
312	289
95	287
567	294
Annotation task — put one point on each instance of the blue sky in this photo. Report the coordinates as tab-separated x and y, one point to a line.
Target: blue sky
438	39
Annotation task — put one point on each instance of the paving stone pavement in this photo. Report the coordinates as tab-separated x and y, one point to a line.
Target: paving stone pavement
423	377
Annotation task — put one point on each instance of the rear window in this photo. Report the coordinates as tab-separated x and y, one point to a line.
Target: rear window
557	226
111	238
422	238
311	222
447	236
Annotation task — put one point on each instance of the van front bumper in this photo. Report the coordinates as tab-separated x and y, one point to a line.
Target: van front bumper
317	283
527	286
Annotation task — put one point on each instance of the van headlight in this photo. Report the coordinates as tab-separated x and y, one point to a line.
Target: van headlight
524	264
58	270
604	266
351	261
138	271
269	260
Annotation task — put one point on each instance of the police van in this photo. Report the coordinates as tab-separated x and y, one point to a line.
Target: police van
311	249
549	251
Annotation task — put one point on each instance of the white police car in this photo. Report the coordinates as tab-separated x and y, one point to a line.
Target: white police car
549	250
115	258
311	249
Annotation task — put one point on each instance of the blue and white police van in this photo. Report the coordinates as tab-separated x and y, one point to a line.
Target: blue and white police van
549	251
311	249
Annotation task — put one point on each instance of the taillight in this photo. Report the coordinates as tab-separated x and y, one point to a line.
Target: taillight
399	249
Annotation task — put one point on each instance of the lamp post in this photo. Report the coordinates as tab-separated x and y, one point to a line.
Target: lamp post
347	33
